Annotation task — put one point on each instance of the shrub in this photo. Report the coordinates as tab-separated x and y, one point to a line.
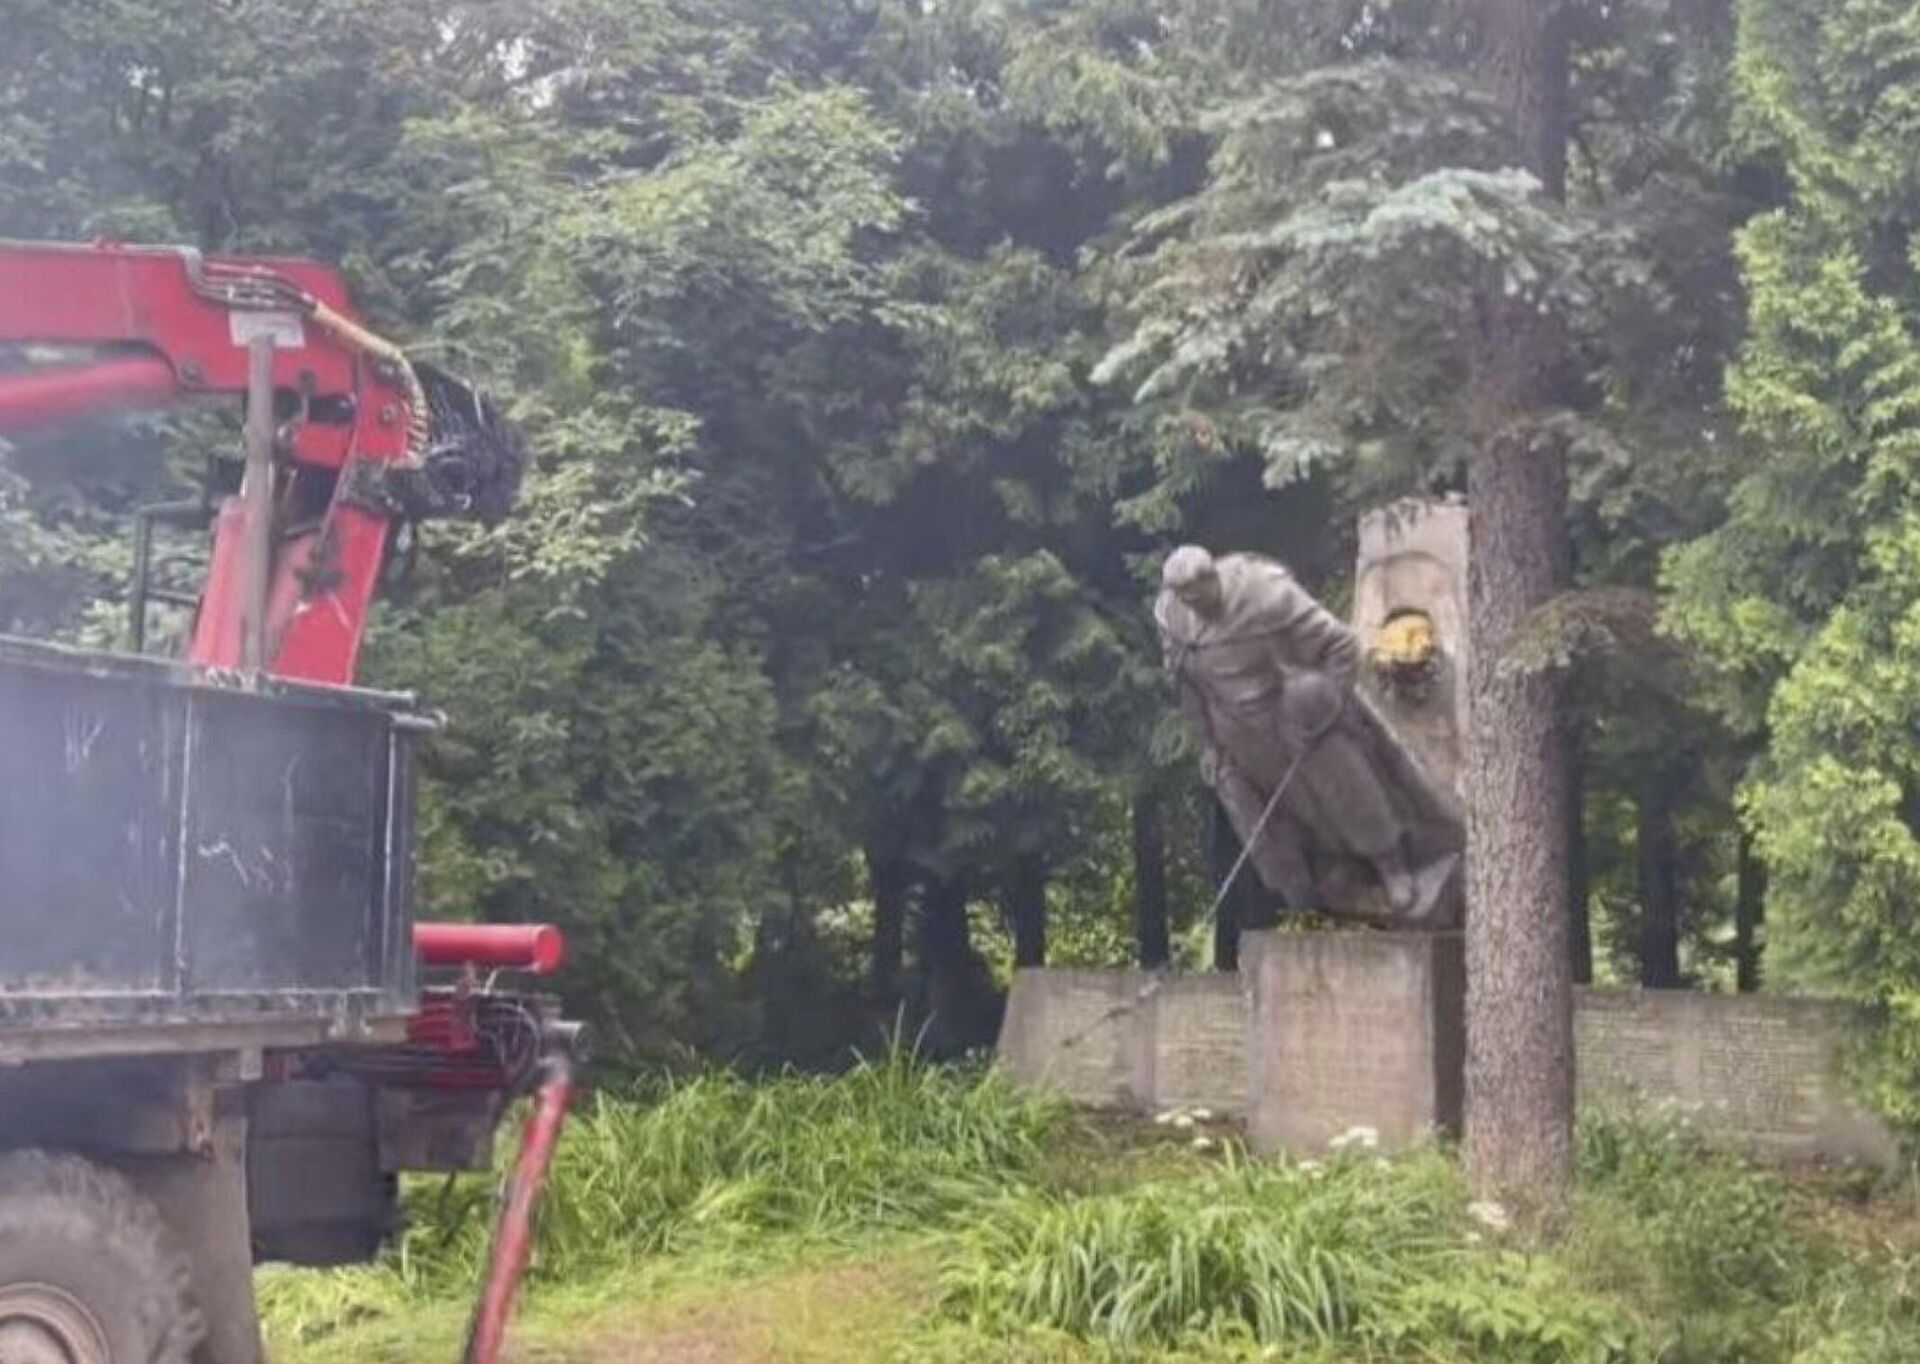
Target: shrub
1709	1248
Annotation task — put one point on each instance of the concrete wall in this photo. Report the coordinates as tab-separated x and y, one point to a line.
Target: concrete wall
1081	1033
1130	1039
1759	1070
1197	1043
1756	1070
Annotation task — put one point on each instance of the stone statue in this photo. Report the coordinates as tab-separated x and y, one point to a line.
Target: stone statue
1336	814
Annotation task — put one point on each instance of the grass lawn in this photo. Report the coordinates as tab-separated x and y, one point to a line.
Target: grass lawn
906	1215
818	1309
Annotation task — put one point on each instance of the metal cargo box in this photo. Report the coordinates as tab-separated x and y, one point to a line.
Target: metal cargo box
179	853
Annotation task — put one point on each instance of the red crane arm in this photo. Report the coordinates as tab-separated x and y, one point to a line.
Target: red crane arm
138	308
145	326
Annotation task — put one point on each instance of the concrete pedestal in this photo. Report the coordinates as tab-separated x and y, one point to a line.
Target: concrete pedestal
1355	1029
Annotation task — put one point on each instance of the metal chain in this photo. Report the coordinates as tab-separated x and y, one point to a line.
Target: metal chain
1152	987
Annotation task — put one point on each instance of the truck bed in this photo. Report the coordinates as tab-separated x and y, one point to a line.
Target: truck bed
187	862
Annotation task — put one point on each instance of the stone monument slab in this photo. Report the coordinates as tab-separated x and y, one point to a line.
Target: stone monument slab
1410	615
1198	1027
1355	1030
1079	1032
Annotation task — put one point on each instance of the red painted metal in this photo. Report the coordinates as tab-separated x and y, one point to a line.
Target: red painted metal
190	319
444	1023
42	397
536	948
513	1236
163	299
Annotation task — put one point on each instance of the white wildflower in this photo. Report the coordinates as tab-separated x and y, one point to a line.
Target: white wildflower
1323	139
1204	1143
1490	1215
1202	1114
1311	1168
1162	1119
1366	1138
1183	1121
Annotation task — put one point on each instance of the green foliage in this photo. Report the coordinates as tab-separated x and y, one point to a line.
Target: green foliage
1322	298
841	519
1042	1241
35	562
1703	1234
1804	599
1675	1253
714	1164
1719	1259
1358	1254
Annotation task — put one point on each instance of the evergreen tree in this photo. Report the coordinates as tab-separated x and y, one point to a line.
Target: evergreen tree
1804	599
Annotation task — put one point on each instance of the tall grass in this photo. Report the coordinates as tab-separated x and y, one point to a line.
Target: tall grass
717	1161
891	1144
1363	1253
1724	1262
1675	1254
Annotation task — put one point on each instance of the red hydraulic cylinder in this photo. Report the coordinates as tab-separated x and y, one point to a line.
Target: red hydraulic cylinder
535	948
40	397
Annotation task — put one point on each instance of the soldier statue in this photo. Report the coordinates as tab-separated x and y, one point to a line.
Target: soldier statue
1335	813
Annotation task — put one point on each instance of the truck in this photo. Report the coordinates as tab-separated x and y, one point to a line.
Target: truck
224	1037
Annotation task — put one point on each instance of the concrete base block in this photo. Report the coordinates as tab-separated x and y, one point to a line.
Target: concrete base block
1079	1032
1355	1030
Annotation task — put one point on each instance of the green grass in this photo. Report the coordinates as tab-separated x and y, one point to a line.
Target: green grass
910	1214
717	1167
1353	1257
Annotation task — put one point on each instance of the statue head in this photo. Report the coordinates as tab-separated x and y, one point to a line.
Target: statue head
1192	576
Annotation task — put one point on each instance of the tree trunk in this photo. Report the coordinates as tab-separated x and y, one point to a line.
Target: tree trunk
1579	883
1659	881
1519	1081
1024	904
1150	882
960	1001
890	879
1749	908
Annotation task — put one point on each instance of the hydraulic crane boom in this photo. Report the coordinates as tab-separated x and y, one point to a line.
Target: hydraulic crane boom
363	439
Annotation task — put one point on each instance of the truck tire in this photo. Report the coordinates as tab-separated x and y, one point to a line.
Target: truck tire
89	1272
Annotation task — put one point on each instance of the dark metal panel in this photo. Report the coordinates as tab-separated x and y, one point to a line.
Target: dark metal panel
284	877
317	1194
85	840
180	850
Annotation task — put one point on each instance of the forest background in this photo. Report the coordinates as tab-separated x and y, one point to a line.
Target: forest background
873	352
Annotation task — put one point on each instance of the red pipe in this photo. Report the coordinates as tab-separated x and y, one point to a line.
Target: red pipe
513	1236
37	397
538	948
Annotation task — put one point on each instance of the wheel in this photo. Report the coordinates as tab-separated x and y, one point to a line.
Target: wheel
89	1273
